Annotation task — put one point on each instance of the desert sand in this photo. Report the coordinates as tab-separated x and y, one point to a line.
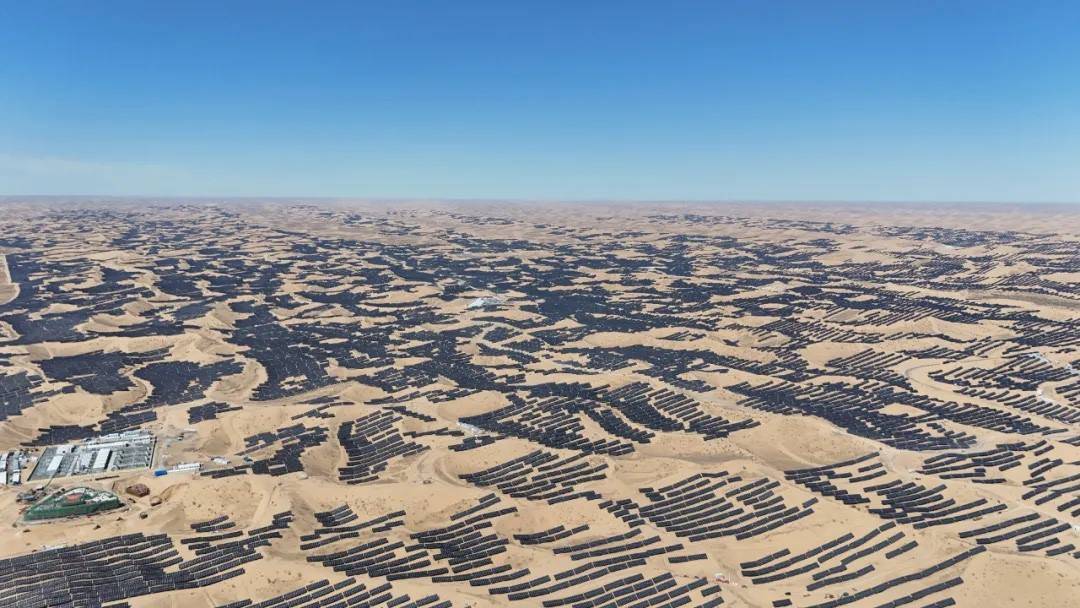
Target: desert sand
539	404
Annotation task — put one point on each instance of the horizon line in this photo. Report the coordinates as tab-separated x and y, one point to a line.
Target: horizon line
536	200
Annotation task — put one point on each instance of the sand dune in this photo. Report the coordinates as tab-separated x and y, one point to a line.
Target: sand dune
666	404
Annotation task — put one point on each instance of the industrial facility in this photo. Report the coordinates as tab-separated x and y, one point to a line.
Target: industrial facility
11	467
114	452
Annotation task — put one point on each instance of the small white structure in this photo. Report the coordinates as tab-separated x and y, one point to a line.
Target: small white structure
470	429
485	302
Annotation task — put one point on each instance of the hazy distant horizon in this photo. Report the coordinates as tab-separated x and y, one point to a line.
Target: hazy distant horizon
286	198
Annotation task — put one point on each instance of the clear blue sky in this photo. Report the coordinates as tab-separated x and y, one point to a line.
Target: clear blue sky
860	100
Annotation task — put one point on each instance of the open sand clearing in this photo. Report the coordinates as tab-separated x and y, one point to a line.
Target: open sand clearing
473	404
